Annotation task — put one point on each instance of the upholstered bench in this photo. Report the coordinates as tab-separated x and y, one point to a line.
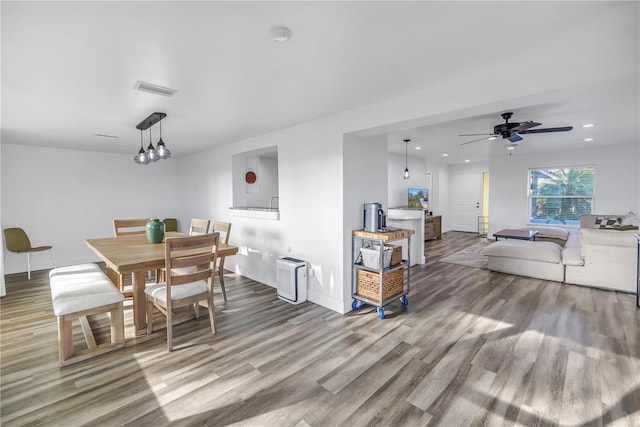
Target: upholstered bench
79	291
542	260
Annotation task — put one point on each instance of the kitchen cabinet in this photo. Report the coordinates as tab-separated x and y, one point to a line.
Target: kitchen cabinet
432	227
376	283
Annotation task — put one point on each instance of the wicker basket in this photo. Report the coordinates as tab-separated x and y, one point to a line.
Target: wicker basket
368	285
396	256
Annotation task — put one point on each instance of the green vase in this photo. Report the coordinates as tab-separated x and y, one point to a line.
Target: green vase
155	230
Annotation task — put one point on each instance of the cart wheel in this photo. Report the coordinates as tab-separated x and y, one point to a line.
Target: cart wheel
404	301
381	313
354	305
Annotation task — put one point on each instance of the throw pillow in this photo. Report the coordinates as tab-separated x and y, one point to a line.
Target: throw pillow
631	219
608	222
625	227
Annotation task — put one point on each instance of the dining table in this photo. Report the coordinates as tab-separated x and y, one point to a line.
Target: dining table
135	255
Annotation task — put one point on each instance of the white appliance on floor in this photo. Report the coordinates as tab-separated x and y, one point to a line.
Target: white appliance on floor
292	280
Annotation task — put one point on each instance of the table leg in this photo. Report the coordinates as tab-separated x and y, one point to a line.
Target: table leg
139	303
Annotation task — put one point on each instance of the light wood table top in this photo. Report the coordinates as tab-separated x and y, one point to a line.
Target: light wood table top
134	254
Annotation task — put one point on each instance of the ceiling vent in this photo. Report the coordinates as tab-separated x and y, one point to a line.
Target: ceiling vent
155	89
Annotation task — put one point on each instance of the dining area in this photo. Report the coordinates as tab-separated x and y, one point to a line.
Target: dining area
158	269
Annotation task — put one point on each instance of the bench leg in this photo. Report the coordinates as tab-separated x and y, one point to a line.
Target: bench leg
117	324
65	339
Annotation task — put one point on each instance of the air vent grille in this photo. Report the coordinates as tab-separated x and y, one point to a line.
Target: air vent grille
152	88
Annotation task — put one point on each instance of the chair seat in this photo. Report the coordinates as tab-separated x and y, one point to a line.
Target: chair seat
158	291
36	249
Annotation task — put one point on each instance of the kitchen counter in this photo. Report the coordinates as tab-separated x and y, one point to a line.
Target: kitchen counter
255	212
412	219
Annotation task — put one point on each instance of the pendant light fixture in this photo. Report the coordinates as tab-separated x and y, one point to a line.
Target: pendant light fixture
152	154
162	150
406	167
141	158
151	151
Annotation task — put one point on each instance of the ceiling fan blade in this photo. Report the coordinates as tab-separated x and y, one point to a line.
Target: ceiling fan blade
525	125
477	134
515	138
547	130
486	138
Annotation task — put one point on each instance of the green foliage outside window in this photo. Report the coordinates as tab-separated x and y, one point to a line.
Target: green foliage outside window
560	195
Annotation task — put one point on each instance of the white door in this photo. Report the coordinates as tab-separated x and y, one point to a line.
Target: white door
466	198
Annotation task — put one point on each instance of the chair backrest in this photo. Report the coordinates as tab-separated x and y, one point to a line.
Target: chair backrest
170	224
199	226
120	224
190	259
16	240
224	228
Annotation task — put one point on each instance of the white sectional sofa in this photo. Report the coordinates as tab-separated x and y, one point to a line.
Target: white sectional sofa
590	256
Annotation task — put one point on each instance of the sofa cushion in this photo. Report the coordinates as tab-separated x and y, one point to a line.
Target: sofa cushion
524	249
571	256
573	241
631	219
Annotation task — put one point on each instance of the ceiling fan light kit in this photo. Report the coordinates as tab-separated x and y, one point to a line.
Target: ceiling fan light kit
512	131
152	154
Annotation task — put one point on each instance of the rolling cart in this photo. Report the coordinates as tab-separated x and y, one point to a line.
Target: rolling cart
379	275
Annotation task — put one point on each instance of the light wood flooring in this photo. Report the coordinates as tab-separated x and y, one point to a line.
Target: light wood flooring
472	348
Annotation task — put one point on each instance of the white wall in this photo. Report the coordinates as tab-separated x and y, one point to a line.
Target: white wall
62	197
617	182
364	169
398	185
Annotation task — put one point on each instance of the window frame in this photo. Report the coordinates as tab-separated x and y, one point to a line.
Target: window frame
531	198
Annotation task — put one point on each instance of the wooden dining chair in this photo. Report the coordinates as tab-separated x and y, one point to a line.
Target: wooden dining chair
224	228
123	227
199	227
128	227
189	280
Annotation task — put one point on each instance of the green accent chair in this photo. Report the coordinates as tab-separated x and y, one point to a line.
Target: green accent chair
17	241
170	224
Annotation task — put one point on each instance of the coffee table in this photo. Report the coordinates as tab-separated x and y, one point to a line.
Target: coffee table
520	234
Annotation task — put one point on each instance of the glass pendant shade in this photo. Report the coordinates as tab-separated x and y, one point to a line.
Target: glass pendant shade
141	158
162	150
406	166
151	151
152	154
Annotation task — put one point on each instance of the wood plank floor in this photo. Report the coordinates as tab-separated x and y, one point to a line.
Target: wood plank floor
472	348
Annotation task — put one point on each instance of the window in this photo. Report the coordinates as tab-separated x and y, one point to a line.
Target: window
560	195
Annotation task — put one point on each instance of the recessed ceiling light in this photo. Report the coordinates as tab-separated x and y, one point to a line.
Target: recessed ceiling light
588	125
445	155
511	147
417	148
155	89
467	161
279	33
588	139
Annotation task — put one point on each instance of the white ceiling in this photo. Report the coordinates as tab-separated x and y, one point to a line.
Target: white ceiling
69	68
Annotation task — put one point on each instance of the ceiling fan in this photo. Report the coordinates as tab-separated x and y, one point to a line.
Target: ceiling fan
512	131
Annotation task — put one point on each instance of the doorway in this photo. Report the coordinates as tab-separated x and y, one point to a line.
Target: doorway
466	201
